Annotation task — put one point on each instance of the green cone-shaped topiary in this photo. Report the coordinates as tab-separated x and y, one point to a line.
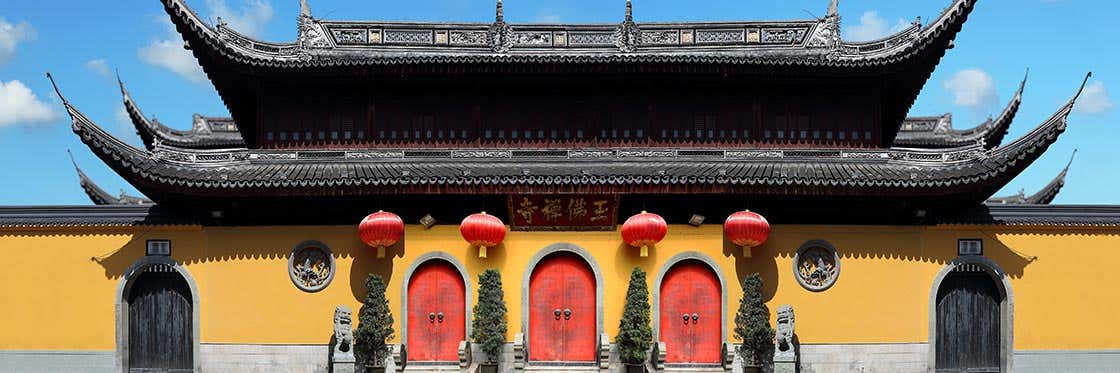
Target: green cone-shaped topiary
634	333
752	324
375	325
489	324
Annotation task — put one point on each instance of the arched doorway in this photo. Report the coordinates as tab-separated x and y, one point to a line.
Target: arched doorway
160	320
690	312
436	312
971	318
562	310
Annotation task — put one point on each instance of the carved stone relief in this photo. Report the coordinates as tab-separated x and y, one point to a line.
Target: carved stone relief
311	266
816	266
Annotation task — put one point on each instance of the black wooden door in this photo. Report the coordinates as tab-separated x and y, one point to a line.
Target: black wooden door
159	323
968	338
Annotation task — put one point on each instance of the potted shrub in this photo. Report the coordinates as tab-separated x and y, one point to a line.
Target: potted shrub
634	333
489	323
375	327
752	326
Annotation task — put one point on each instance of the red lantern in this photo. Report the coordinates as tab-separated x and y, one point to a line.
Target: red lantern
746	229
381	229
644	230
484	231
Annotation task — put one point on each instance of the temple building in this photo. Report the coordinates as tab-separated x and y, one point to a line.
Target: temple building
567	135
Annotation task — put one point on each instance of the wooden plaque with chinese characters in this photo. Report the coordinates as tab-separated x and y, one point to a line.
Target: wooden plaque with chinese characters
563	212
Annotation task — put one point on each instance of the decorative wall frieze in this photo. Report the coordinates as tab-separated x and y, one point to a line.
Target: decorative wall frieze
754	154
646	153
467	38
783	35
350	36
481	154
502	37
375	154
661	37
590	154
411	37
533	38
732	36
272	156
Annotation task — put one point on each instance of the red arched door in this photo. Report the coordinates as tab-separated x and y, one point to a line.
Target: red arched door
690	314
436	319
562	310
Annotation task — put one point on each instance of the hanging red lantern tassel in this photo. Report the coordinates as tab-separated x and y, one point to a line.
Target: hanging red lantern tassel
644	230
380	230
746	229
484	231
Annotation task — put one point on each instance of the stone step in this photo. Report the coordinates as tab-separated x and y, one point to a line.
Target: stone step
563	368
434	368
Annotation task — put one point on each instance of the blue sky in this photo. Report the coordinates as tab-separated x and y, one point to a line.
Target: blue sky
83	42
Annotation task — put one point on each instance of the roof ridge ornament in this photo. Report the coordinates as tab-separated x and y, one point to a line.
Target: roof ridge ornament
500	33
627	36
827	32
311	33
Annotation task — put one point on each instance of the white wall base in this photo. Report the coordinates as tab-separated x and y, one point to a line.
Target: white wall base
252	358
867	358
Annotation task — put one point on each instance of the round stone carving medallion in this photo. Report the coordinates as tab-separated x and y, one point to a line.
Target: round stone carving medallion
816	265
311	266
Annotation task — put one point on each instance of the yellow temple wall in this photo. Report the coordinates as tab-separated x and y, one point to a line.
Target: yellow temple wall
59	286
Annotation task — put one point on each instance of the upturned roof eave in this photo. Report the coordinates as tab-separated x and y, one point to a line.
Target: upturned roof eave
1043	196
153	132
229	48
991	131
201	174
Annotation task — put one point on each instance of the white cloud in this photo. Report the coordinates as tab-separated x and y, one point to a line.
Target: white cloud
121	116
169	54
871	26
99	66
250	19
10	37
18	105
1094	100
972	88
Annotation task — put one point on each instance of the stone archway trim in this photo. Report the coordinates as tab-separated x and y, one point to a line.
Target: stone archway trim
715	267
435	255
1006	308
123	288
545	252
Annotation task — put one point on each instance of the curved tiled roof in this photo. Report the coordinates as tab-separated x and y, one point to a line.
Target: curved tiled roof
205	133
938	132
323	43
100	197
188	173
1042	197
239	66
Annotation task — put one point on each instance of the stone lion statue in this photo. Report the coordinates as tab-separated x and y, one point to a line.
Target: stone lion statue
343	332
783	339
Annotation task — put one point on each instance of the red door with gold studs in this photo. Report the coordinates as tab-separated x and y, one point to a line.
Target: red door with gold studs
690	314
562	310
436	319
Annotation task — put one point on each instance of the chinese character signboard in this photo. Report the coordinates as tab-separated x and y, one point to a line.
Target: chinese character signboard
575	212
